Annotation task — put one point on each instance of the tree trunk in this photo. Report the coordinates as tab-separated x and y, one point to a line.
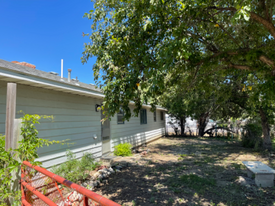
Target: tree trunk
266	131
182	126
203	120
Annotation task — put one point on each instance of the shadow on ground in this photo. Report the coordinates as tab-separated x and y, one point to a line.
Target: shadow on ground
189	171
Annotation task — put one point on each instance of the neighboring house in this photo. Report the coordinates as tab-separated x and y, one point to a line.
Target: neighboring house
73	105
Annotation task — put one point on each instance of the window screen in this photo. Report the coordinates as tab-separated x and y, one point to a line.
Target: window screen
161	116
120	116
143	116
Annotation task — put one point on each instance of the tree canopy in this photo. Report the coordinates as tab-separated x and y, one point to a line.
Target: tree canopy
139	44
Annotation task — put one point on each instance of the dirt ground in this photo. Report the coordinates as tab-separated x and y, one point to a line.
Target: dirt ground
189	171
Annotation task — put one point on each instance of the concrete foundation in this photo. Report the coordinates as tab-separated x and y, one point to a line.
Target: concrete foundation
264	180
250	174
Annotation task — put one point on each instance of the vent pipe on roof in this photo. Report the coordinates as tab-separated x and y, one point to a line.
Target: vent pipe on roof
69	75
61	68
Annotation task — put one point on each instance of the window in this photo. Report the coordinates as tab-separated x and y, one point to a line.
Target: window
161	116
155	116
143	116
120	116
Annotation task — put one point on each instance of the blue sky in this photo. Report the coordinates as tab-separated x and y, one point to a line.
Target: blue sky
42	32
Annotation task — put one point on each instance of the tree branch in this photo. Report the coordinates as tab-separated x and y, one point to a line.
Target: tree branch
220	53
269	26
266	23
201	39
223	9
241	67
234	40
267	61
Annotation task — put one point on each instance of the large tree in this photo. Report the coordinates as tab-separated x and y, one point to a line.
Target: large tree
139	42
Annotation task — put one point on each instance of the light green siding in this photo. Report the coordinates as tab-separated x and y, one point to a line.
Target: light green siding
136	133
75	120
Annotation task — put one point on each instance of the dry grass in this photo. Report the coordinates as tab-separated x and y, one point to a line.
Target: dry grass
188	171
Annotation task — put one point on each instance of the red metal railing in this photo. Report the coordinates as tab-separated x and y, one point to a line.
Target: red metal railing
40	187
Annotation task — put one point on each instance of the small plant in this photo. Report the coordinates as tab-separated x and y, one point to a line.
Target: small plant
236	166
212	203
10	160
123	150
74	169
171	201
152	199
44	190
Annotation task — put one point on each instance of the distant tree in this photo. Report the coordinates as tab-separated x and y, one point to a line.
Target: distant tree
201	102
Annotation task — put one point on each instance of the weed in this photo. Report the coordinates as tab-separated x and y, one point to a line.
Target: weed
208	160
197	183
44	190
89	187
181	200
176	191
171	201
74	169
152	199
150	162
236	166
123	150
212	203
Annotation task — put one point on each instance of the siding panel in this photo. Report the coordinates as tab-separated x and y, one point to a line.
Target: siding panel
74	120
134	132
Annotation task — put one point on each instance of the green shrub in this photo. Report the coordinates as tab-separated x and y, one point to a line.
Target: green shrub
123	150
10	161
76	170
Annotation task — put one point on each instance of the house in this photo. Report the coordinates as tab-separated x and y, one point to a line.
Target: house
73	105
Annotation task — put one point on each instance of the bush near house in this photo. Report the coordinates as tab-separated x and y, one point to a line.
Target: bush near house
123	150
10	161
76	170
